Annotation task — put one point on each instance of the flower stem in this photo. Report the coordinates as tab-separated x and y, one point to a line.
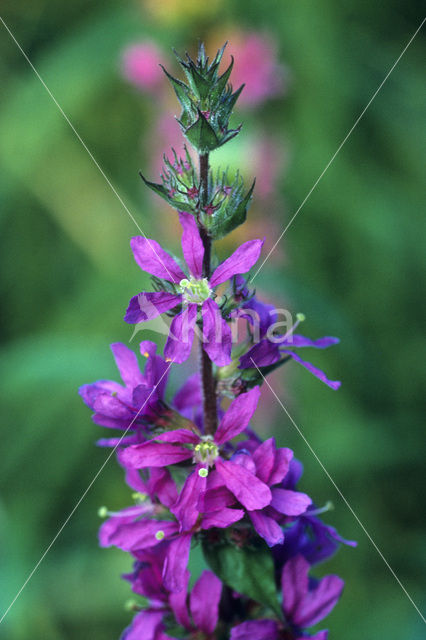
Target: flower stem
208	381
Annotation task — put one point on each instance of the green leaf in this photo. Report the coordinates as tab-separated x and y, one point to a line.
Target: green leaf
249	570
201	135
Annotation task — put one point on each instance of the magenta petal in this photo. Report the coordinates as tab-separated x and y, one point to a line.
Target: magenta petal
111	407
222	519
110	527
217	338
321	635
204	602
240	261
262	354
267	528
179	605
183	436
181	336
186	507
305	607
89	392
238	416
320	601
295	584
290	503
148	305
192	245
152	454
264	458
255	630
214	499
189	394
174	570
152	258
283	457
141	534
162	484
297	340
249	490
127	364
141	397
144	626
135	482
334	384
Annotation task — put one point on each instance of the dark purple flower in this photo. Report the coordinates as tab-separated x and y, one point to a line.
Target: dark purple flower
312	538
194	292
305	603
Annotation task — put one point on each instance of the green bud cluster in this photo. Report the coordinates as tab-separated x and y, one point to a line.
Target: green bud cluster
207	101
180	184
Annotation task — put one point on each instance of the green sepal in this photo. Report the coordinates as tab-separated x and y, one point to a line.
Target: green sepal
221	83
181	90
201	135
252	377
247	569
160	190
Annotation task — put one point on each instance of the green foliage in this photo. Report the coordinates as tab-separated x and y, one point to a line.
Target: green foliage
247	568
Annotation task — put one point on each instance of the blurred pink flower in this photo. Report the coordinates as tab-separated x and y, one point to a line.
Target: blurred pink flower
257	66
141	66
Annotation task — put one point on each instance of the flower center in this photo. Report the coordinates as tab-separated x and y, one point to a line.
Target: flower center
206	451
195	291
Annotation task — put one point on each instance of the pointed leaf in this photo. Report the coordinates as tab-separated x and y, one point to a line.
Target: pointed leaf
248	570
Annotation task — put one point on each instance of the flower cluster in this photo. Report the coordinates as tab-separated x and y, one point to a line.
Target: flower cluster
199	474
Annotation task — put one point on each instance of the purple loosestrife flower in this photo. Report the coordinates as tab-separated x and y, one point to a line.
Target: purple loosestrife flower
194	292
270	465
176	446
272	348
305	603
148	527
117	406
197	614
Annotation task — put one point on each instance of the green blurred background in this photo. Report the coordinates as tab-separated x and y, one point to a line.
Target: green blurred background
352	262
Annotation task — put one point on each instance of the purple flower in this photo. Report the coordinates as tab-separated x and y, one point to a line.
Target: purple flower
273	348
176	446
197	613
194	292
305	603
117	406
269	465
203	605
312	538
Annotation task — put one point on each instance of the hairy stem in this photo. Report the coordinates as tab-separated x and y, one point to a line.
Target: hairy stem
207	378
